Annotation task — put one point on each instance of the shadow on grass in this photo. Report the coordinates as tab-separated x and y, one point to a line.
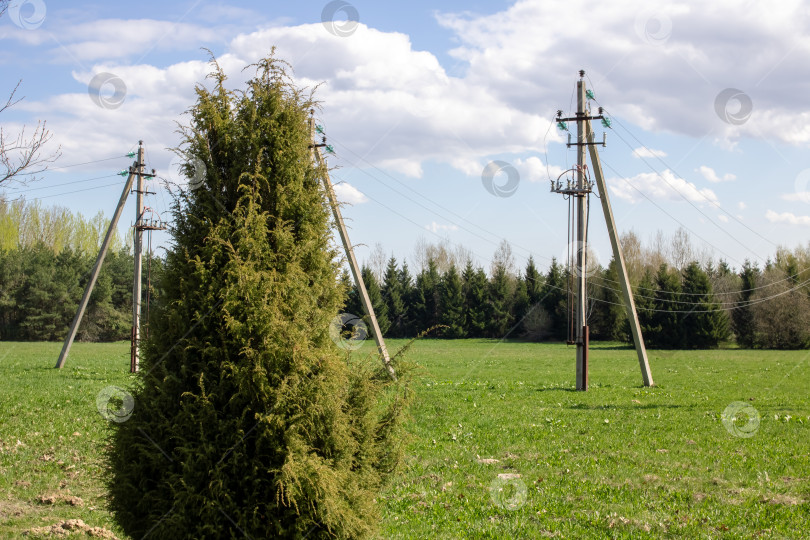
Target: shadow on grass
580	406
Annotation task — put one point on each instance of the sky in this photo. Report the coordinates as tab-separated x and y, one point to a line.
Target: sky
441	115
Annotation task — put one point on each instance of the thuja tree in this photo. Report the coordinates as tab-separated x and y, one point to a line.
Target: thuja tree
248	420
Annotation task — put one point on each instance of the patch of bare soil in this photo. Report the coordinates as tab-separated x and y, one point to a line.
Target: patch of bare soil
70	527
55	498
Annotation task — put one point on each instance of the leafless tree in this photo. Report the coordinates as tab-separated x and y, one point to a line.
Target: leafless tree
23	157
377	262
633	256
444	254
503	258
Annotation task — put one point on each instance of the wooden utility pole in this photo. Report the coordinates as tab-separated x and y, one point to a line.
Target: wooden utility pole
137	293
618	255
582	243
74	326
581	189
347	247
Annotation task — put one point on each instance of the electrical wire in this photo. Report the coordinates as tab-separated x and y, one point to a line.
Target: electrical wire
661	159
372	176
789	278
606	164
66	192
85	163
434	212
62	184
684	197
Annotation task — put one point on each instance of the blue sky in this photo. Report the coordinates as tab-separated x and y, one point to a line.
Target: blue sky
710	105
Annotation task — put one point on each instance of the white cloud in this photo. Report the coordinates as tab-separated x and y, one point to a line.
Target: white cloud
394	106
534	170
436	227
644	152
801	196
741	205
709	174
786	217
666	186
660	67
399	107
347	193
723	218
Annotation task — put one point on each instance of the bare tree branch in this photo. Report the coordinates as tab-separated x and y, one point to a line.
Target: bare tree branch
22	157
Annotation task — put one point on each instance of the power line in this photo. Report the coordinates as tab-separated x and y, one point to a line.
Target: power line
62	184
684	197
709	294
661	159
86	163
67	192
364	171
739	306
667	213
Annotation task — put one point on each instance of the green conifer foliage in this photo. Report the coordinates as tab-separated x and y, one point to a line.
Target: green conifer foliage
555	300
377	302
474	285
742	316
707	324
500	303
451	299
644	298
426	297
247	420
392	294
667	331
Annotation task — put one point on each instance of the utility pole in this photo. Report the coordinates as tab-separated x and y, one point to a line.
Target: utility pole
138	279
141	224
77	319
581	188
315	152
618	255
582	242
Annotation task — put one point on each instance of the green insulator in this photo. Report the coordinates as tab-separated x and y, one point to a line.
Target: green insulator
132	154
330	149
123	173
606	122
319	128
562	125
589	94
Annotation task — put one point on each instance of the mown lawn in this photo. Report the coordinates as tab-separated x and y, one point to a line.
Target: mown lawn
501	445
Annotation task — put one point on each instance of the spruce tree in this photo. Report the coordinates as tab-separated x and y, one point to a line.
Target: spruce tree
520	304
248	421
707	324
426	297
554	300
451	299
500	303
407	292
742	316
667	332
475	296
644	297
377	302
393	298
534	282
613	312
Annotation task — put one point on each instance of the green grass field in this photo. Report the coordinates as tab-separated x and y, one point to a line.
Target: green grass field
501	445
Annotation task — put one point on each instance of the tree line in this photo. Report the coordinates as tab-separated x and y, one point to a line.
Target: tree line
683	299
682	304
46	255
